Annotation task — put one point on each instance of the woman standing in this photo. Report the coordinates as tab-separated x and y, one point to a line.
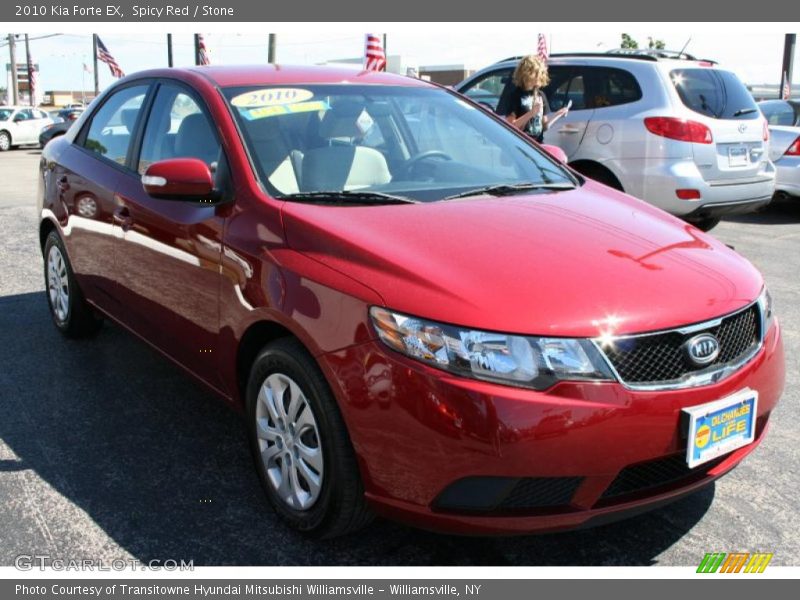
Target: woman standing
523	104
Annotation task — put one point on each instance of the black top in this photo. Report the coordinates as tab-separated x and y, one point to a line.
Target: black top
518	101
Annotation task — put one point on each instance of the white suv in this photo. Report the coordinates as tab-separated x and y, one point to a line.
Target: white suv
675	131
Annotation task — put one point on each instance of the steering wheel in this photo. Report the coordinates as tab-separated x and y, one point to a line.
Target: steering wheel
409	164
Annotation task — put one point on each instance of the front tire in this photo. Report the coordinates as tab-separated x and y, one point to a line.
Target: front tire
71	313
5	141
300	444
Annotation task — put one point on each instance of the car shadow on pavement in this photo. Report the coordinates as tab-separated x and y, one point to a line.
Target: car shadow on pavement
778	212
126	442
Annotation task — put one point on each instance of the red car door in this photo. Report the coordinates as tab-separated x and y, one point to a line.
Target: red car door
82	184
169	252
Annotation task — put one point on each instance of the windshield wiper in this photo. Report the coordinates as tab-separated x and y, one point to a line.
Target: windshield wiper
509	189
348	197
744	111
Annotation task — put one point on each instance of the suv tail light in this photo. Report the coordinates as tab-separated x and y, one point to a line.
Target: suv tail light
794	149
766	130
682	130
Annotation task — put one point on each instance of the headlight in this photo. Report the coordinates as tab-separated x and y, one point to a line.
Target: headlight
767	314
533	362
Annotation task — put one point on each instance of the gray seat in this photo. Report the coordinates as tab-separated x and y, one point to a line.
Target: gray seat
342	164
195	139
280	164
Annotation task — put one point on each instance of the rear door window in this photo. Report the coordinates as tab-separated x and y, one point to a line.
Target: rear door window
714	93
566	84
611	87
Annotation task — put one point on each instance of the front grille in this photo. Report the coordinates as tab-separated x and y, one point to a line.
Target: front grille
540	492
660	357
656	473
505	494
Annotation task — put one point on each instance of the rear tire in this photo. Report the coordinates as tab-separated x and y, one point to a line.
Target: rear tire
71	314
5	141
300	444
706	223
599	174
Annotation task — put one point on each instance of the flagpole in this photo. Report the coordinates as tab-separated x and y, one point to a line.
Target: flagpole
28	62
96	74
271	49
169	50
196	48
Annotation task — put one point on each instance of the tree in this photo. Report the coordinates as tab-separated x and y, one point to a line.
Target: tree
631	44
628	42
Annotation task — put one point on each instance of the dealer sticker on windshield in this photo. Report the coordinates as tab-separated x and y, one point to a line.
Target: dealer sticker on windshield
721	426
272	97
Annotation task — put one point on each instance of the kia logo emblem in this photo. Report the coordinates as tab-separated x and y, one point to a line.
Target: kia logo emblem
742	128
702	349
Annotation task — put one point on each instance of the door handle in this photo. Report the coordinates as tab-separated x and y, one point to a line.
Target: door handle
569	130
62	183
123	216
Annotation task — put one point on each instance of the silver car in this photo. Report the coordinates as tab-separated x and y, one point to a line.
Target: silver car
783	117
680	133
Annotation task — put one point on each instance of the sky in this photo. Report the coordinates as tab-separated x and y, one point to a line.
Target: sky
754	53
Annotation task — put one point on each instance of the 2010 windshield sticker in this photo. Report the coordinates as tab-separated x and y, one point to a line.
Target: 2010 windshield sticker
263	112
271	97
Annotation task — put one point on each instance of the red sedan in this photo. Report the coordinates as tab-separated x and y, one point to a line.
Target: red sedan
422	313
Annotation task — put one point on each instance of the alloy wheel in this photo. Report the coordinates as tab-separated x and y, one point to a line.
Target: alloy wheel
289	442
58	283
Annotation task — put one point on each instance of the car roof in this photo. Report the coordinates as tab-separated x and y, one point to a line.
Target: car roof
243	75
669	59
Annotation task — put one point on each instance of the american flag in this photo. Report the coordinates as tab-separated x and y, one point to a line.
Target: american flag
105	56
787	88
32	81
203	55
374	56
542	47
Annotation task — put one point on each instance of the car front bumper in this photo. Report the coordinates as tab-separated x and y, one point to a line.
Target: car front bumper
570	456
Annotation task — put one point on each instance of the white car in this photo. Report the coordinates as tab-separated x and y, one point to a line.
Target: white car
21	125
784	145
675	131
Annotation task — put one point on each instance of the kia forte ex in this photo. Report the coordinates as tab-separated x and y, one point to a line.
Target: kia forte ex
422	314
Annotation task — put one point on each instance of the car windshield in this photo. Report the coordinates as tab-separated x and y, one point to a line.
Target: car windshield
384	143
714	93
5	113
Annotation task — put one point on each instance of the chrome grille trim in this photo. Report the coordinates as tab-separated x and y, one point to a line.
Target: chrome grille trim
699	378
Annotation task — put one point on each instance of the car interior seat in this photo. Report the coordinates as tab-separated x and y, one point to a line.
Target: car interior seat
195	139
279	162
341	164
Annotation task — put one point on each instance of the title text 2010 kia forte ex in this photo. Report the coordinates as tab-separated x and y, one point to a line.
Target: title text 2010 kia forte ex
423	314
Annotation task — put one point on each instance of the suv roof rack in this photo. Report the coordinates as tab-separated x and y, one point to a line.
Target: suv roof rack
649	54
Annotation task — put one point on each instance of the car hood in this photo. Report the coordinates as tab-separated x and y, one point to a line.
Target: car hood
575	263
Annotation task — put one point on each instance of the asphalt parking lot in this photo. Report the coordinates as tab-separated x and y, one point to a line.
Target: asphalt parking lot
107	451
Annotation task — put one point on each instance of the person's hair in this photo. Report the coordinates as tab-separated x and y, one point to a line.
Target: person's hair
531	66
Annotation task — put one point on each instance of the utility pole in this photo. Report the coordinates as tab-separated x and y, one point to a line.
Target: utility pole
12	51
196	48
29	63
788	61
271	49
169	50
96	72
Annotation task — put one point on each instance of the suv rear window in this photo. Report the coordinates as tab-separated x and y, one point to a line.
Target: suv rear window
714	93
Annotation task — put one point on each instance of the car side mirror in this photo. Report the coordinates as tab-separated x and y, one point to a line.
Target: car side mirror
186	179
555	152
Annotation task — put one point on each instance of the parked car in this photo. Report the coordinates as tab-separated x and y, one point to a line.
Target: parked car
60	127
420	311
783	117
21	125
680	133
